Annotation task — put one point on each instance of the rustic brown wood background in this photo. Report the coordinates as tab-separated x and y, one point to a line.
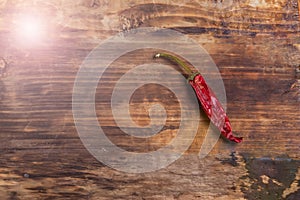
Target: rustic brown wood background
256	46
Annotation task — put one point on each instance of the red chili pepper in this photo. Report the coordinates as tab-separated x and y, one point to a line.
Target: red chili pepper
210	104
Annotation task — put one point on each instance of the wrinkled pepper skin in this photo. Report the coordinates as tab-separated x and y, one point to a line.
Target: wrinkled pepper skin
212	107
209	102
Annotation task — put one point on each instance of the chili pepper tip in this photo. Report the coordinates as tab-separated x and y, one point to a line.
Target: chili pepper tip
236	139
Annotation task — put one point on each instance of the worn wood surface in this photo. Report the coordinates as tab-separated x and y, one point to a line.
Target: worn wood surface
256	46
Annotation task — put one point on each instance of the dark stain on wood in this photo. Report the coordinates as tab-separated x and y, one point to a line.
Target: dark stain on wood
232	160
270	177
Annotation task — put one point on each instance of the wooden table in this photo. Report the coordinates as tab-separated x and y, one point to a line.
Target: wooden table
255	45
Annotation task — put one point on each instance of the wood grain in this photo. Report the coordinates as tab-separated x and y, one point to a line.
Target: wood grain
255	45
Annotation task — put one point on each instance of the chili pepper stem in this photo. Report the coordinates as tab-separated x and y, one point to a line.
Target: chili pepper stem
176	60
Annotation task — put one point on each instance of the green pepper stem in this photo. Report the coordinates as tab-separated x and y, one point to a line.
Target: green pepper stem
178	61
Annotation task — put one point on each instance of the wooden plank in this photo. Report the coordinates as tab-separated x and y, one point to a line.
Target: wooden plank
255	45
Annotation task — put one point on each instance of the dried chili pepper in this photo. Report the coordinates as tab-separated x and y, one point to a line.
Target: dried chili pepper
210	104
